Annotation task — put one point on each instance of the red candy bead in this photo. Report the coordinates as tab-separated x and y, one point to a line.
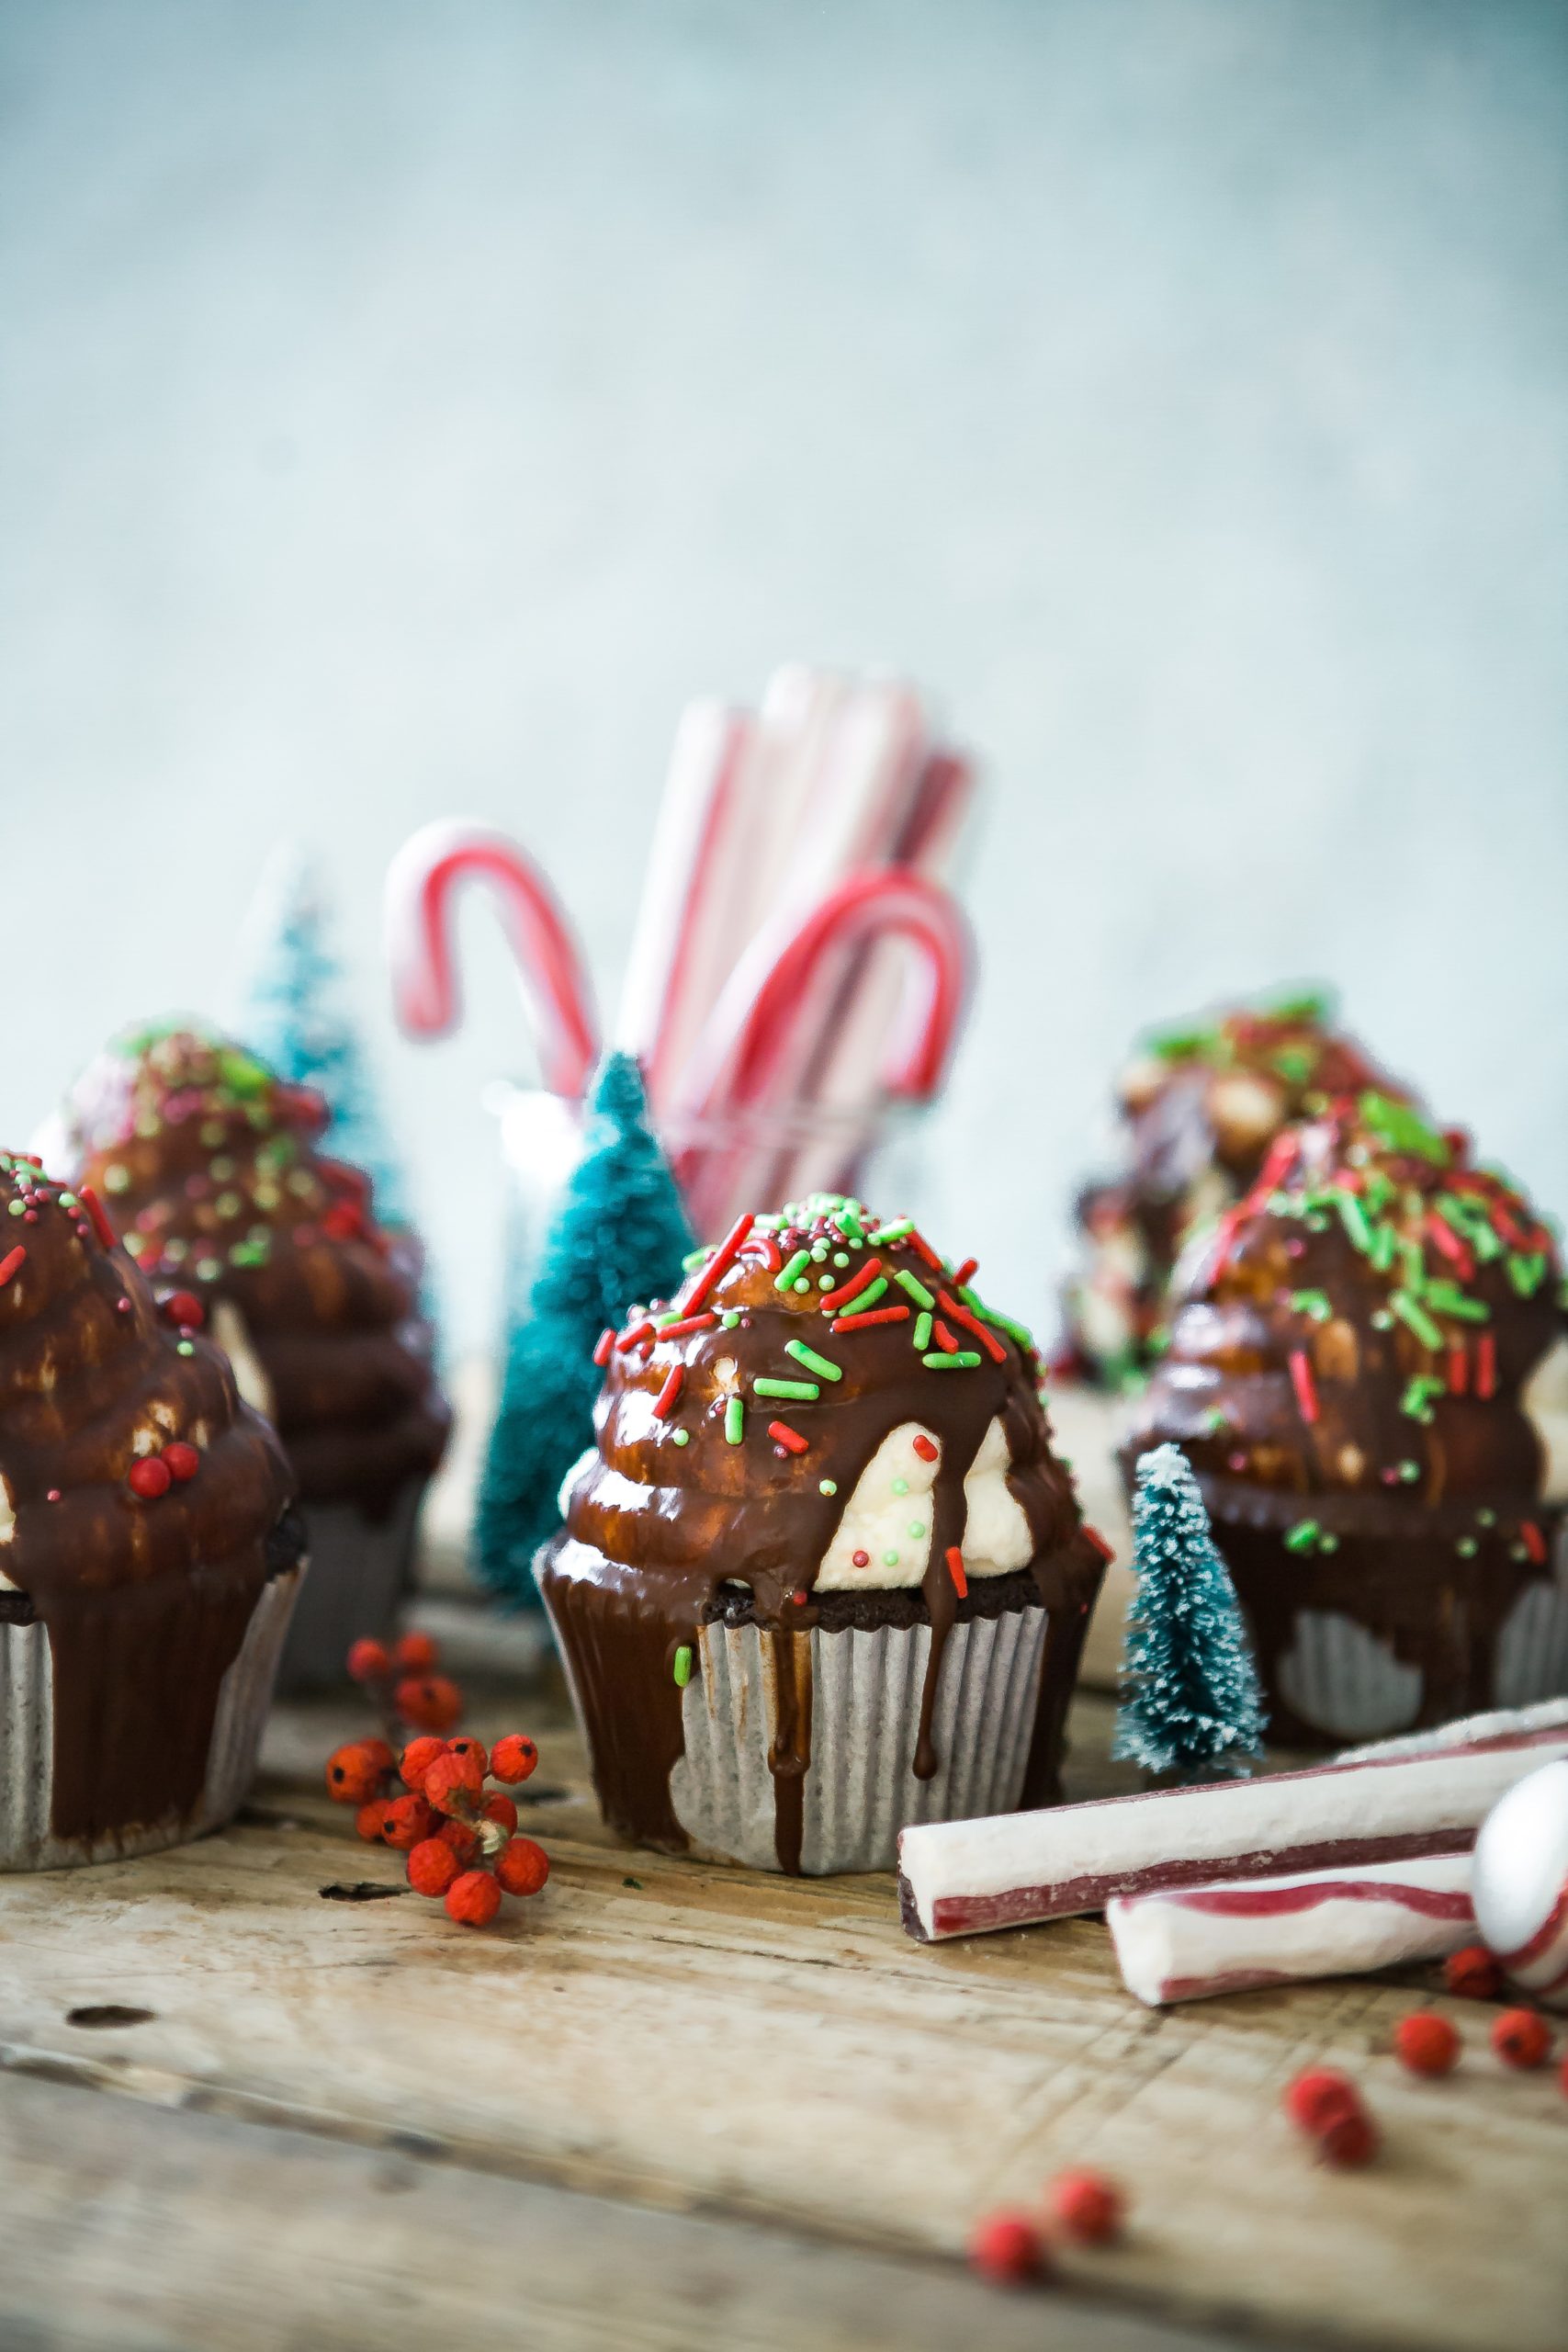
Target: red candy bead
1008	2249
1426	2043
1520	2037
181	1461
1088	2206
473	1899
522	1867
512	1757
433	1866
149	1478
184	1307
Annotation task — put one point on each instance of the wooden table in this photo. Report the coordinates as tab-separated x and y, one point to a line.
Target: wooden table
669	2104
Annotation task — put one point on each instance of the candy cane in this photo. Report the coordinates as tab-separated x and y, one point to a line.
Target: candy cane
422	884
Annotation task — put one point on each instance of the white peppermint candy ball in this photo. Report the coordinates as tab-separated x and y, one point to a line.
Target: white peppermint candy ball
1519	1883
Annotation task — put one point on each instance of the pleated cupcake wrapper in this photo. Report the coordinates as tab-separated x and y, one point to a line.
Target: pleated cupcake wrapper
27	1743
360	1570
864	1713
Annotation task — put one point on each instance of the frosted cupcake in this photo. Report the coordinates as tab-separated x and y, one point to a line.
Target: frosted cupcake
821	1575
209	1165
1197	1108
148	1558
1365	1370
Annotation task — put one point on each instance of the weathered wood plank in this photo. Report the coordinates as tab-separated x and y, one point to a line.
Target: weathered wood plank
694	2036
165	2230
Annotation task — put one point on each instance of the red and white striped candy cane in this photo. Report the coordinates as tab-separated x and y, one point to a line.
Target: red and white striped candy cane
422	882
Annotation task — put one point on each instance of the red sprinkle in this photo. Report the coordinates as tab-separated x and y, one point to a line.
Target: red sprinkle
860	1559
964	1273
636	1336
723	1258
1485	1364
862	1279
925	1449
1303	1384
687	1325
601	1347
872	1315
986	1337
955	1570
674	1380
1426	2043
944	1337
1533	1540
149	1478
1459	1369
1445	1239
918	1241
184	1307
95	1209
1092	1535
791	1439
11	1263
181	1461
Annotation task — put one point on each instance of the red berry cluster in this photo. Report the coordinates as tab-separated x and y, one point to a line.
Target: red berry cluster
1013	2247
404	1684
431	1803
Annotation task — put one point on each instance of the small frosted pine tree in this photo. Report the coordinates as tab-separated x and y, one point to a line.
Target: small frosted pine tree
293	1012
1190	1704
618	1238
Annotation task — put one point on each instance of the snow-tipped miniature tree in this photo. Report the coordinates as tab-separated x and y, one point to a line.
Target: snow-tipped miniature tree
293	1011
1190	1704
618	1239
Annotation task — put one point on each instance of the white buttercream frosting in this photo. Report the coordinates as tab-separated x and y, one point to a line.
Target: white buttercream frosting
888	1519
1545	1403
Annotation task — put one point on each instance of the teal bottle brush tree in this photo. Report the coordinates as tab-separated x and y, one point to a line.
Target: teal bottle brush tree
618	1239
1190	1708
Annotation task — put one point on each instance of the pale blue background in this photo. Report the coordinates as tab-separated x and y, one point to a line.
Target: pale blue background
404	407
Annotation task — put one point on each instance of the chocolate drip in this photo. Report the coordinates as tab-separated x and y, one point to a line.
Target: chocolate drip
661	1535
210	1169
145	1599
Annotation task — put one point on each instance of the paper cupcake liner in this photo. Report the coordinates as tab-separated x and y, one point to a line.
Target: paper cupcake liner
361	1568
1395	1630
865	1690
27	1743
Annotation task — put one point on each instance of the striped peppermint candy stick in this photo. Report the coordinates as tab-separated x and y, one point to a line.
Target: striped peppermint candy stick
1187	1942
964	1878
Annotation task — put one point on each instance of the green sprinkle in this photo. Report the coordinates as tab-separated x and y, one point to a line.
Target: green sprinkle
840	1259
117	1179
866	1299
922	1333
963	1362
683	1666
1402	1129
184	1348
1467	1547
897	1231
1385	1241
681	1436
1526	1272
1484	1518
915	1288
849	1223
1381	1320
1415	1319
1353	1217
729	1320
825	1281
1019	1333
1314	1303
805	1390
819	1253
1417	1400
1303	1536
900	1485
917	1528
812	1360
1329	1543
827	1486
1410	1472
1447	1298
890	1560
734	1421
796	1266
803	1285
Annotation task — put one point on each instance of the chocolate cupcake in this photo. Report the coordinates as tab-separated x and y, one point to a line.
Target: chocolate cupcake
821	1575
149	1560
1197	1111
209	1165
1362	1371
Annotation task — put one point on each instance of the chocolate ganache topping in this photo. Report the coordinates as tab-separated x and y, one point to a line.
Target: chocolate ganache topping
744	1469
142	1508
1362	1335
1197	1109
207	1165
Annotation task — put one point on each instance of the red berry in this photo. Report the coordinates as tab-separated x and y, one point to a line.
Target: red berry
1520	2037
1474	1973
368	1662
370	1820
433	1866
467	1744
405	1821
1319	2097
463	1841
149	1478
430	1703
415	1653
1426	2043
522	1867
512	1757
473	1898
181	1461
380	1751
1089	2207
450	1780
1562	2077
1350	2138
184	1307
498	1808
354	1774
417	1758
1008	2248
